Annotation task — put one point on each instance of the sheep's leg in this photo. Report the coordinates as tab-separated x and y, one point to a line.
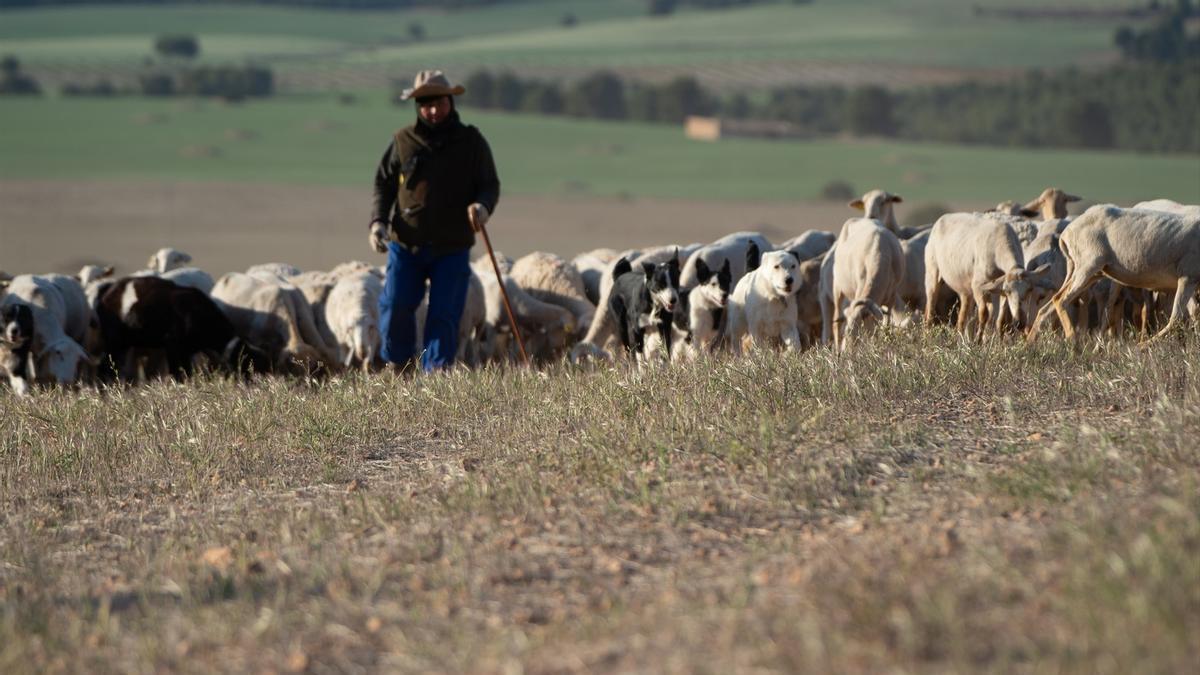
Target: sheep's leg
965	303
981	316
1183	293
931	293
1073	289
839	320
826	318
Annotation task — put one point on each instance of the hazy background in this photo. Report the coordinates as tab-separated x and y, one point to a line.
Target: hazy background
249	132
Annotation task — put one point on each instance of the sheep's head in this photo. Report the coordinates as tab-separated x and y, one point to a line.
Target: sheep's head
89	273
167	259
1052	203
863	315
62	360
1016	287
877	204
1010	207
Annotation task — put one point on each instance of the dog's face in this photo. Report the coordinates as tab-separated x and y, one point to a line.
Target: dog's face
713	289
782	272
662	283
16	325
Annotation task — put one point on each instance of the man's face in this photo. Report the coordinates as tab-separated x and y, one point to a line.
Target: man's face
433	109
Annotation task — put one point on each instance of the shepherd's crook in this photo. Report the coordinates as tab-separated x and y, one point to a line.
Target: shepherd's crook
512	320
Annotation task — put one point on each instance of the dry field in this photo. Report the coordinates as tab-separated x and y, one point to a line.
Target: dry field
926	506
59	225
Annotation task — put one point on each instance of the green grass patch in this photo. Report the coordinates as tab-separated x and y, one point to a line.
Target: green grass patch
315	140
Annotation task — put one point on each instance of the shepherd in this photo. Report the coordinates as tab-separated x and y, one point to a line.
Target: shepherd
436	186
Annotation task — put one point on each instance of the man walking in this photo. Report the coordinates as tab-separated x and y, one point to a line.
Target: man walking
435	184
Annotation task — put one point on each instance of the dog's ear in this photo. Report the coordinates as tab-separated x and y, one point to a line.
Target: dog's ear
753	257
796	256
703	274
648	269
725	275
622	267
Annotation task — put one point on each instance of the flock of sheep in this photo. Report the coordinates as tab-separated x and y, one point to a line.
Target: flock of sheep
1014	268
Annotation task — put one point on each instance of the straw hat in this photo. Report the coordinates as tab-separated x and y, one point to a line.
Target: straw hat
432	83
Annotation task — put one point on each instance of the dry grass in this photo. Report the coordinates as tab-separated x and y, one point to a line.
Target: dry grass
926	506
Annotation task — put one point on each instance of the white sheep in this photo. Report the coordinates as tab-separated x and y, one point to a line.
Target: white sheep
809	245
56	356
351	311
879	205
549	278
192	277
731	247
867	275
165	260
1150	249
1170	206
544	327
591	266
912	287
978	257
1051	205
283	270
277	317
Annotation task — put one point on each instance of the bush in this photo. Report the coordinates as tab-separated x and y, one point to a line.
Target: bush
838	191
600	95
182	46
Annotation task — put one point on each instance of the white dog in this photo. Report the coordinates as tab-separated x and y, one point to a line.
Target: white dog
764	303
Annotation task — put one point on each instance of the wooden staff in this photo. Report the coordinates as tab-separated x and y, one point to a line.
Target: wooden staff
512	319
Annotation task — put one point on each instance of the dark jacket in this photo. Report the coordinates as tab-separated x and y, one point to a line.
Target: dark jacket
427	178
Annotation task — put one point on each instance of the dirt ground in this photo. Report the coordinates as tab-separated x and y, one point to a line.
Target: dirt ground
57	226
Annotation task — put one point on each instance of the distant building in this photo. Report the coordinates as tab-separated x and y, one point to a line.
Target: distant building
716	128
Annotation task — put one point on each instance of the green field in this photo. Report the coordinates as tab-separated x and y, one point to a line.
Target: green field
610	33
315	140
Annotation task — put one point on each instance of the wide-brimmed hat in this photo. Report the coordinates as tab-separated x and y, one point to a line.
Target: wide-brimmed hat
432	83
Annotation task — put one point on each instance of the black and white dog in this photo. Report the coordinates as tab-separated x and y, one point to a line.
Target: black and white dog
16	343
700	317
643	302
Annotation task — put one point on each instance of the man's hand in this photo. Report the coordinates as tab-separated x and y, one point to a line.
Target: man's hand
379	237
478	215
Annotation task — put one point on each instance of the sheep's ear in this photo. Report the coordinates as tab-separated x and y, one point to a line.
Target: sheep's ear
857	204
107	271
1035	206
895	199
993	285
1041	271
876	310
1071	198
1027	213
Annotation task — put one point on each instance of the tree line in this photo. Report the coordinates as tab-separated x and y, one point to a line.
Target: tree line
1150	107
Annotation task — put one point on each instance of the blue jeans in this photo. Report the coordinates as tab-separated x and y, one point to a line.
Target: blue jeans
403	290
